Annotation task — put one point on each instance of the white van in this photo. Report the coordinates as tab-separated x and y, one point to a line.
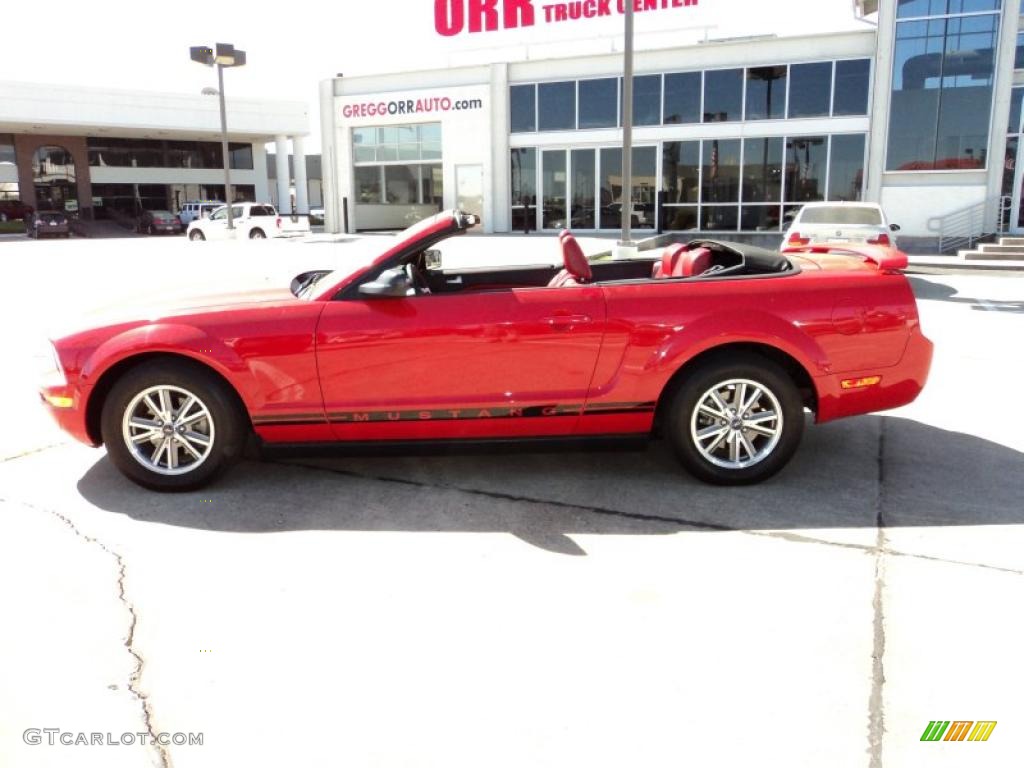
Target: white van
194	210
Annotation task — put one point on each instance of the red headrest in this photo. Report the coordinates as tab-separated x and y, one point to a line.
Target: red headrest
670	260
575	262
696	262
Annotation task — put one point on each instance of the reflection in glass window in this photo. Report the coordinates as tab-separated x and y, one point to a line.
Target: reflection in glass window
806	159
644	187
1016	100
680	171
9	191
852	84
846	167
680	217
646	99
6	149
682	97
760	218
432	184
523	108
723	95
599	103
914	8
943	71
810	89
367	184
766	93
762	170
556	106
721	171
1018	55
400	184
584	173
523	187
554	184
719	217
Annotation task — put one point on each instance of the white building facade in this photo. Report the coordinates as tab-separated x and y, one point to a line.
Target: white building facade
920	111
102	153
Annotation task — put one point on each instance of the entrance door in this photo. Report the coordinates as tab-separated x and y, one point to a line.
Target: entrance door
469	187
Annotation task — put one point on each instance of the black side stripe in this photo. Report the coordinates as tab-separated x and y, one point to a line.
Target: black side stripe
454	414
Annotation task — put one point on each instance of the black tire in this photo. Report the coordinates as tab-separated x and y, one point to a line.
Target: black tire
226	424
257	234
196	235
681	422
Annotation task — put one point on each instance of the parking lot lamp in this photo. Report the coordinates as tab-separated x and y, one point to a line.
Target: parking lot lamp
224	56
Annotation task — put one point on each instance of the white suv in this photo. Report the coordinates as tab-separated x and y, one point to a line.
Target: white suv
255	221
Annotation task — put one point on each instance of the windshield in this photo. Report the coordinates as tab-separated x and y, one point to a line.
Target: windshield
842	214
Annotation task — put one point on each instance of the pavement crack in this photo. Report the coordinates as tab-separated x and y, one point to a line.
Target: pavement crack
876	701
129	641
31	452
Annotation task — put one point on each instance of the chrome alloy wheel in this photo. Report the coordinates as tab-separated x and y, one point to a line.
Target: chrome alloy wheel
168	430
736	424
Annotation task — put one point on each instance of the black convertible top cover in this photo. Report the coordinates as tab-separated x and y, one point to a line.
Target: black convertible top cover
754	257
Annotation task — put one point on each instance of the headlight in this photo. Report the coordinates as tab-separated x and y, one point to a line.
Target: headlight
51	372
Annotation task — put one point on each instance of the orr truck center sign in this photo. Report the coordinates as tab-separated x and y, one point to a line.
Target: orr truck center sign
455	17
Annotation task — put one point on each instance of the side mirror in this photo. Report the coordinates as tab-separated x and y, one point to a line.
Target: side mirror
391	283
894	227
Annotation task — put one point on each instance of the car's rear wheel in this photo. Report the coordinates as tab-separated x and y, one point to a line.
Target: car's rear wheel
736	421
171	426
196	235
257	234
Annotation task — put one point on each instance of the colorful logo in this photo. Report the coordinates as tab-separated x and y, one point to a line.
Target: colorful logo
958	730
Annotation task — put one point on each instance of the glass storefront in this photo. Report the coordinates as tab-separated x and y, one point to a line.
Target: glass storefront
749	185
53	174
109	201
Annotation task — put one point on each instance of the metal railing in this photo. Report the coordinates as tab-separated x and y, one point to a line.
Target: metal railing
965	227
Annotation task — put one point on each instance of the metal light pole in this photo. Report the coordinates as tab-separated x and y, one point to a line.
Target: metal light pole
626	245
225	56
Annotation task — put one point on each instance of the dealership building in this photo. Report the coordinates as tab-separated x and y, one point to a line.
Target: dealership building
103	154
918	108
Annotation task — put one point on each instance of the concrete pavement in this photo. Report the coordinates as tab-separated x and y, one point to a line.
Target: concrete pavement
596	608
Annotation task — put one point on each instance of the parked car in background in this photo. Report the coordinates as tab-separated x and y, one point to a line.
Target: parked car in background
255	221
14	209
159	222
197	209
827	223
47	224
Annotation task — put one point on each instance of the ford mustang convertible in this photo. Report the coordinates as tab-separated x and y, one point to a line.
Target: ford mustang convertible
718	347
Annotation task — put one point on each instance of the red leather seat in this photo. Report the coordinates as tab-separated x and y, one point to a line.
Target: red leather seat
577	268
676	261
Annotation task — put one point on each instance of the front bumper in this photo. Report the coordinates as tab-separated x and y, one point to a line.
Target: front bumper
66	405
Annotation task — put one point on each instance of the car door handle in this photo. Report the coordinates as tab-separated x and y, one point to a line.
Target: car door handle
566	321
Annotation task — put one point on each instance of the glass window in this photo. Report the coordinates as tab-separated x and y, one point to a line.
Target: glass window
599	101
241	156
367	184
762	171
806	160
766	93
719	217
846	167
852	83
721	171
1016	99
810	89
556	106
644	187
914	8
723	95
943	71
9	191
646	99
6	149
400	184
524	188
760	218
682	97
432	182
554	183
680	171
584	174
523	108
862	215
1018	56
680	217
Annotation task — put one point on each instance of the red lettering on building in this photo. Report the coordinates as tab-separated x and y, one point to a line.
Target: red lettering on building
448	18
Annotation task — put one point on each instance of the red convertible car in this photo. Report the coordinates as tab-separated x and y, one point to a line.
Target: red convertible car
718	347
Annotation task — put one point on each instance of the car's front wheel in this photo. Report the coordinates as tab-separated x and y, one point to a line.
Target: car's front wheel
736	421
196	235
171	426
